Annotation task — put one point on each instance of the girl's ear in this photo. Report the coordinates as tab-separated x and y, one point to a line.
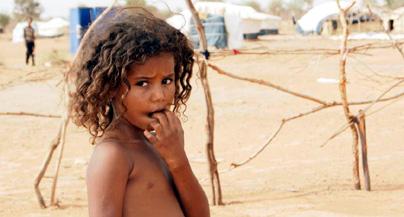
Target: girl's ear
119	92
117	103
114	94
112	97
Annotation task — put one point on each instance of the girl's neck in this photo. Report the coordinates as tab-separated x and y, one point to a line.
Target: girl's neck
126	130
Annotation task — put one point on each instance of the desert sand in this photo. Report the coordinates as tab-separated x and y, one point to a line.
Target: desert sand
293	176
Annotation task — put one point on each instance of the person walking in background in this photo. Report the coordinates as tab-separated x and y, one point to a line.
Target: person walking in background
29	37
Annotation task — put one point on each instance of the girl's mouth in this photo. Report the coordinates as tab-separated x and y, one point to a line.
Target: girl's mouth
150	114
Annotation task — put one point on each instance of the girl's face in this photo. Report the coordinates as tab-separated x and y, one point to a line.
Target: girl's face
152	89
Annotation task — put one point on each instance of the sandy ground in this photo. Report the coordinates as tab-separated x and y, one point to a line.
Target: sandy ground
293	176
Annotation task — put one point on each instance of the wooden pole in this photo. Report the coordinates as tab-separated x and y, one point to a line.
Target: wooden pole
342	87
362	135
215	179
214	174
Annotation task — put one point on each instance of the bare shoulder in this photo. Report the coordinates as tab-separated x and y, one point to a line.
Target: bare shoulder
109	157
107	175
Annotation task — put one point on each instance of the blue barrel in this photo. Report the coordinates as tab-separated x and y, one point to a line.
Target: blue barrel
95	12
80	20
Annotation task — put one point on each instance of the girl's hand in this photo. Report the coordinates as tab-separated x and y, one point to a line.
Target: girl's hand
168	139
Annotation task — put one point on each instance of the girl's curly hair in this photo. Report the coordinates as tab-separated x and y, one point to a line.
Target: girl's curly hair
119	38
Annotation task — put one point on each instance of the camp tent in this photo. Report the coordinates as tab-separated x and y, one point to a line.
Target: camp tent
313	20
238	20
51	28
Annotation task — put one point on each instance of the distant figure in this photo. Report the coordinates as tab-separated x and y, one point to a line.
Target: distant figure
29	37
133	76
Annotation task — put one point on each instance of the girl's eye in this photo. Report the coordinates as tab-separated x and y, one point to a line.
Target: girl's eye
141	83
167	81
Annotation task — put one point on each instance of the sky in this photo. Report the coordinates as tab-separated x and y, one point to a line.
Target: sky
55	8
60	8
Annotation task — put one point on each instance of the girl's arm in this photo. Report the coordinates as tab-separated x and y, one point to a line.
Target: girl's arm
169	142
107	175
193	198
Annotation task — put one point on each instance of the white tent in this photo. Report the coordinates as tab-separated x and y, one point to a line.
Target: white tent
238	19
313	20
51	28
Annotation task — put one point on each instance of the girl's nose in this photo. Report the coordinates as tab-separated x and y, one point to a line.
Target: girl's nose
157	94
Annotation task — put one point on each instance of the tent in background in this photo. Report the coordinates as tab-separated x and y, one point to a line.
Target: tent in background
313	20
238	20
51	28
215	31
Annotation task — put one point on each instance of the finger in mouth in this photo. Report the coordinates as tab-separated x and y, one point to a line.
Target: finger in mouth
150	114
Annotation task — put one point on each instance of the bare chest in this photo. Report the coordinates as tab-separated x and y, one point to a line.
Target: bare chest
150	190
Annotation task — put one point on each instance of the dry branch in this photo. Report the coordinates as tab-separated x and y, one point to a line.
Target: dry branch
323	103
30	114
268	84
359	49
382	107
372	103
376	73
324	51
235	165
379	98
65	122
337	133
53	200
314	110
54	144
59	140
377	45
395	44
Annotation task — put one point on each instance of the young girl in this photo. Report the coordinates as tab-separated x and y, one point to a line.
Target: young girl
132	74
